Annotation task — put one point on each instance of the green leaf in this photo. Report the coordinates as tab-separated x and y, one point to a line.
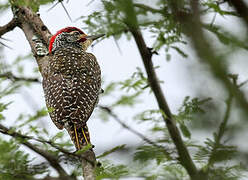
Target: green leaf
168	57
117	148
109	88
127	100
84	149
185	130
153	115
183	54
226	37
149	153
59	135
190	108
137	81
16	164
111	171
39	114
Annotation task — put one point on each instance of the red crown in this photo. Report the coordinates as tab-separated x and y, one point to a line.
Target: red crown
67	29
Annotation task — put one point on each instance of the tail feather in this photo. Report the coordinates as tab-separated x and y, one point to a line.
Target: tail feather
79	135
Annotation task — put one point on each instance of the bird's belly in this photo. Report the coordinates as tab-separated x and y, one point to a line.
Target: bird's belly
72	98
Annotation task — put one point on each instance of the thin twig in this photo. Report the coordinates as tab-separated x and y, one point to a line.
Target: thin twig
8	27
12	77
89	3
67	13
4	129
5	45
124	125
140	135
53	161
53	6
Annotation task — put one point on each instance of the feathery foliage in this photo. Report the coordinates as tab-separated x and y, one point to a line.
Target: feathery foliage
213	129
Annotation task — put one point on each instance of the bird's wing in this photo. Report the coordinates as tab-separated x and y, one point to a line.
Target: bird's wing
53	96
87	85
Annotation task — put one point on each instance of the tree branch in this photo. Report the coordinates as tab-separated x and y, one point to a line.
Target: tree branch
88	167
144	138
27	16
241	8
184	156
8	27
49	178
12	77
191	26
52	144
49	157
33	27
148	8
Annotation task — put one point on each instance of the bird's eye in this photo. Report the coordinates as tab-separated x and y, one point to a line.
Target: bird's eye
76	33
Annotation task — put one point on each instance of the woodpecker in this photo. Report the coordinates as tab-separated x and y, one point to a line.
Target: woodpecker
72	82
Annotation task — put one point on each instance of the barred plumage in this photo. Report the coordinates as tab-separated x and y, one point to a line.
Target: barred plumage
71	85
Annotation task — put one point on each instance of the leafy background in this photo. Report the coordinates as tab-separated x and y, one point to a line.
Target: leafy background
211	120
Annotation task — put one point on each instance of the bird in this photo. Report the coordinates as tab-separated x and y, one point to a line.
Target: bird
72	83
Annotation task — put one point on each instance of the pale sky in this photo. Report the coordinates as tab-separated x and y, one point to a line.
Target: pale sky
115	66
179	80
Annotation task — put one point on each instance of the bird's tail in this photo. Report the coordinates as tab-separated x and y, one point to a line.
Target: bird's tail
79	135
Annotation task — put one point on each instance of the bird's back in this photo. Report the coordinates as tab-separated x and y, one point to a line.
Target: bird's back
71	85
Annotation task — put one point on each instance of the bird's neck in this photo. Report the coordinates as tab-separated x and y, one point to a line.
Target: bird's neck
63	45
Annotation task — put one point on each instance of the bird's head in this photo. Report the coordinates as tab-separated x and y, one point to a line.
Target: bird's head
71	36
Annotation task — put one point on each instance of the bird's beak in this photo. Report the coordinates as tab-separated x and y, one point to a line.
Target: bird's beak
94	37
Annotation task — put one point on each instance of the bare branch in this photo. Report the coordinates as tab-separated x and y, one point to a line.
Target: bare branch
63	6
8	27
53	6
53	161
67	13
9	75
